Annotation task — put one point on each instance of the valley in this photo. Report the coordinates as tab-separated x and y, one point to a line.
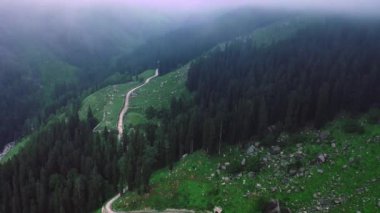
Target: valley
239	109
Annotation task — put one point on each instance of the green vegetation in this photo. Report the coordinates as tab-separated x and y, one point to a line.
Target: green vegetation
157	94
15	150
347	181
106	103
20	145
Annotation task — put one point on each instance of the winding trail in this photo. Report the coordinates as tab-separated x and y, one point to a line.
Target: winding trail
107	208
120	125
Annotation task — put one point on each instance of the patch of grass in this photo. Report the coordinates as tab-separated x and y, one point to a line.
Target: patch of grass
107	103
157	94
348	181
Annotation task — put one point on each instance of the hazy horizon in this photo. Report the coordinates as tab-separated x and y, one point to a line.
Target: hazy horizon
357	7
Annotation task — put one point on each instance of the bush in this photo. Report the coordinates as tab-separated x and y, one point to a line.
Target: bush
269	140
374	116
352	126
253	164
234	167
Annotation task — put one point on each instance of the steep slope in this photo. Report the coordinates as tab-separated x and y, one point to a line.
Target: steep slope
107	103
330	170
57	54
252	92
325	68
176	48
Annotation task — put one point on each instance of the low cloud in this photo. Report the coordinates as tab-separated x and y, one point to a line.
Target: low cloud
370	7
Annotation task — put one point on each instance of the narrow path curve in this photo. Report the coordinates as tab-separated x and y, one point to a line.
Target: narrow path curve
120	125
107	208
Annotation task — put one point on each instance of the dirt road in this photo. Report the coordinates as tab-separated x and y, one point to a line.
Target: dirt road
120	124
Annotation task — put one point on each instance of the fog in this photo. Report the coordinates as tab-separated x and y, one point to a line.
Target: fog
356	7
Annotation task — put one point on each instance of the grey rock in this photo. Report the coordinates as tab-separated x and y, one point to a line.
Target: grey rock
324	135
338	201
243	162
292	172
251	174
275	150
251	150
274	189
272	206
322	158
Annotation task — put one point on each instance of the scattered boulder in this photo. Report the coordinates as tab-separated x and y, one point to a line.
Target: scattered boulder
275	150
217	209
322	158
338	201
251	174
302	169
273	206
292	172
324	135
378	203
272	128
320	171
243	162
251	150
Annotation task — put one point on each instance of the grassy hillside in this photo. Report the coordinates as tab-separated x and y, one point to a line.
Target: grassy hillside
106	103
347	181
20	144
14	150
157	94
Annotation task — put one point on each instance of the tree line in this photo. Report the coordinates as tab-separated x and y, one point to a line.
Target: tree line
247	90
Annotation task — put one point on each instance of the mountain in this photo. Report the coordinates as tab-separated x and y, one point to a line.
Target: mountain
243	124
179	46
306	79
57	54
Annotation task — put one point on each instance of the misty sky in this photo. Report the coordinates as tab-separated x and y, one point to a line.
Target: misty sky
352	6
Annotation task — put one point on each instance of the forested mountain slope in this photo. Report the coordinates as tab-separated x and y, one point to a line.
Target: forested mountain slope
177	47
326	68
56	54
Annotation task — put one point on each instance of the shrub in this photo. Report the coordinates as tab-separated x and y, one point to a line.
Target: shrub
253	164
352	126
374	116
